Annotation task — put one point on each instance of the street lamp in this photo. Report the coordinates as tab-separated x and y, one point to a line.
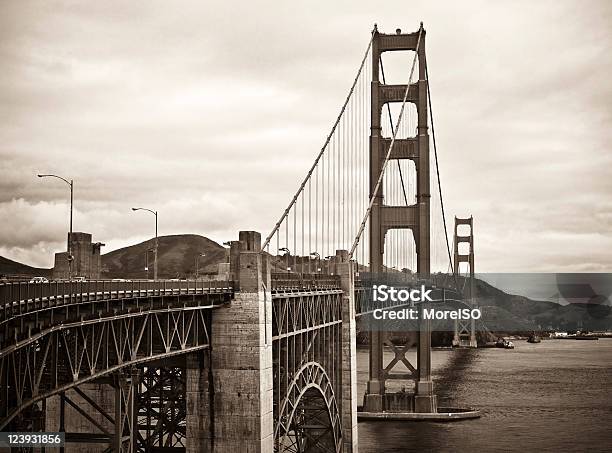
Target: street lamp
287	254
317	258
197	260
156	242
71	184
329	260
147	261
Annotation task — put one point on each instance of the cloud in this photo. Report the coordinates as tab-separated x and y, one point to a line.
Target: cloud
213	112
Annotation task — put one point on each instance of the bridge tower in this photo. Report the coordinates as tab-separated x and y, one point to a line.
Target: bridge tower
415	217
465	335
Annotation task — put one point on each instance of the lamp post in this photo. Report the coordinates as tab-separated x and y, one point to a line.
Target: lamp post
317	258
197	262
147	261
69	247
156	242
287	254
329	260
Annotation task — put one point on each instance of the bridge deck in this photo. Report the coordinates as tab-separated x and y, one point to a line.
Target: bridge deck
56	336
18	299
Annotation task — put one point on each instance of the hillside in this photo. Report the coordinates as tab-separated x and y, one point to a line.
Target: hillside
176	258
13	268
504	313
510	312
177	255
518	305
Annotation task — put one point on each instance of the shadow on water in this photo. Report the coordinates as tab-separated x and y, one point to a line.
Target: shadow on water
451	375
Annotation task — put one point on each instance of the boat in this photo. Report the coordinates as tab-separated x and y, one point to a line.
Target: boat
533	338
585	337
504	344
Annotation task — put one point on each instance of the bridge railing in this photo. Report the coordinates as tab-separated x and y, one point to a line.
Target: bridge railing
304	282
22	297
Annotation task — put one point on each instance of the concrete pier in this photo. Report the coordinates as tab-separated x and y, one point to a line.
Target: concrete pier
240	364
346	269
199	396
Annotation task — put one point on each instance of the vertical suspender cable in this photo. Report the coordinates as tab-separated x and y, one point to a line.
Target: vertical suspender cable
325	145
433	135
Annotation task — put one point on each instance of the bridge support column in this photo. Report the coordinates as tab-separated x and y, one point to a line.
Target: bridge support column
424	398
241	355
456	340
348	407
375	390
126	387
415	217
462	330
199	395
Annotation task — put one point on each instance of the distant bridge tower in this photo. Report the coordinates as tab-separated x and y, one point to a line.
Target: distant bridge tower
465	335
415	217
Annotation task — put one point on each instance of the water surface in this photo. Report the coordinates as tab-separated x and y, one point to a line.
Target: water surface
551	396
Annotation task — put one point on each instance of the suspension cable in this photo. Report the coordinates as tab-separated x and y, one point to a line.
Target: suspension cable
314	165
433	135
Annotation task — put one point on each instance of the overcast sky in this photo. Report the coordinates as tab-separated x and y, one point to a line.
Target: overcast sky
211	112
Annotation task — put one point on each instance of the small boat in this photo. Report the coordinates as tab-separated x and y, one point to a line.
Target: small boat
585	337
533	338
504	344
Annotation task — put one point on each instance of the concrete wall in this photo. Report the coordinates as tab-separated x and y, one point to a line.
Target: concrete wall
86	262
200	399
103	395
241	395
348	398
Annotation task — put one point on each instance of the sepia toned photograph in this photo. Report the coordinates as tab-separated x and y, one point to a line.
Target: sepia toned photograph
305	227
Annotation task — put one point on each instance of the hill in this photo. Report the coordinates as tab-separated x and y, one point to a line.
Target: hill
520	306
176	258
14	268
504	313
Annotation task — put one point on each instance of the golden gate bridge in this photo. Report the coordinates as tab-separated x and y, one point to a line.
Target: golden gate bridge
265	360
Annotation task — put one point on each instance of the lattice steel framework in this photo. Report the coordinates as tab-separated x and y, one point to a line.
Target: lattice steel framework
162	408
307	348
50	343
444	296
148	413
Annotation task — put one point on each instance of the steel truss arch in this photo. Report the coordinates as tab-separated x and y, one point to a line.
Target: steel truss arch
71	354
310	384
